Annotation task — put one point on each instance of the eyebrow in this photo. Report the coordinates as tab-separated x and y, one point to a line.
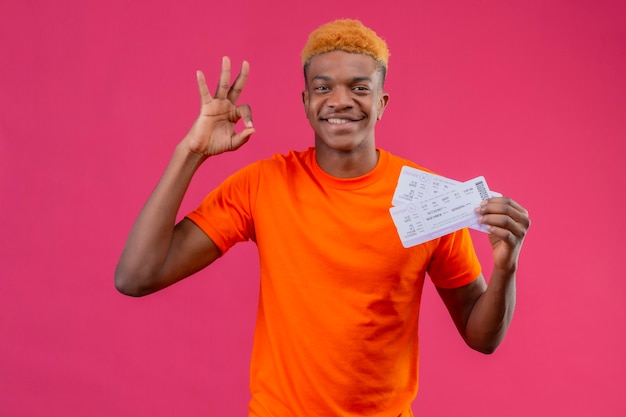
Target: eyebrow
353	80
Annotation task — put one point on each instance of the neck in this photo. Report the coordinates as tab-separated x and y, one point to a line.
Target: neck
346	164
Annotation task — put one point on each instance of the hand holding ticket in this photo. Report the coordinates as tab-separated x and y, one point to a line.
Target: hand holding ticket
429	206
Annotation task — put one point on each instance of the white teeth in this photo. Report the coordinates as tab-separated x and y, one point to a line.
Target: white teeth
338	121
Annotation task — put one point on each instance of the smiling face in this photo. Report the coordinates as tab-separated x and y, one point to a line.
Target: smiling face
343	100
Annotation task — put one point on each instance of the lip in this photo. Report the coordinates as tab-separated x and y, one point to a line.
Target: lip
339	120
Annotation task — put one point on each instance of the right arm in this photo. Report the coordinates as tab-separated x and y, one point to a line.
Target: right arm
159	252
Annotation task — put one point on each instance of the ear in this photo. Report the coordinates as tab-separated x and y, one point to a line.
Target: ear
383	100
305	98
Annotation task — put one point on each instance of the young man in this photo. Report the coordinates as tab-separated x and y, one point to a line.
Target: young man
336	333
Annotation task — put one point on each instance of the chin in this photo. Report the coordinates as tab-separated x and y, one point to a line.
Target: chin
341	144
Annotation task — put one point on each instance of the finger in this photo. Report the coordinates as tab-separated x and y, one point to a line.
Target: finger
504	226
240	82
205	95
244	113
506	206
224	84
516	206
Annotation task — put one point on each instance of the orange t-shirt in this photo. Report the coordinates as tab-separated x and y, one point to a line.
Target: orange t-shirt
337	324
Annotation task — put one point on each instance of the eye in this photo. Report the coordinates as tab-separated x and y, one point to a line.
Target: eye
360	89
321	88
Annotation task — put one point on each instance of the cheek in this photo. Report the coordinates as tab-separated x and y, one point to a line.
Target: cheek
309	113
310	107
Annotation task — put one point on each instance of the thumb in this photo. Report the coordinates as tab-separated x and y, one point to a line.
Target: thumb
237	140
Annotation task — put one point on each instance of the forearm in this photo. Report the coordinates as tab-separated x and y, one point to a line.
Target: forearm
149	241
491	315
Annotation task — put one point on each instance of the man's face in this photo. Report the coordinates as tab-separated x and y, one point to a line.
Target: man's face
343	99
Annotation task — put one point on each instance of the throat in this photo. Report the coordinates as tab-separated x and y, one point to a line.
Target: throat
346	164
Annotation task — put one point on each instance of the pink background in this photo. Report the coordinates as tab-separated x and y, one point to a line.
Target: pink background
95	95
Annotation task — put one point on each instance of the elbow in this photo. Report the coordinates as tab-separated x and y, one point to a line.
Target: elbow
129	285
486	340
486	346
125	287
486	349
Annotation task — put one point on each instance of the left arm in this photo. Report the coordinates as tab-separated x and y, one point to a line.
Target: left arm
482	313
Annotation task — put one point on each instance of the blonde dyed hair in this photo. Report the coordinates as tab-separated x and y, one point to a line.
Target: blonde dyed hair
346	35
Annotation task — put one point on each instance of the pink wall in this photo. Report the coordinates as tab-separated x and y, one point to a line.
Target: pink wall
95	95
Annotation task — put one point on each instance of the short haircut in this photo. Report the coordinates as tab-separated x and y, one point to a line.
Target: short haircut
346	35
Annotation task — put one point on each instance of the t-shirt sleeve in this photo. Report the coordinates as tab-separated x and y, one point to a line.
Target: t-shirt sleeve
226	213
454	262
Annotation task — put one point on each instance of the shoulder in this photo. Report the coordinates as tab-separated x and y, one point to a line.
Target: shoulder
289	157
286	162
398	161
276	161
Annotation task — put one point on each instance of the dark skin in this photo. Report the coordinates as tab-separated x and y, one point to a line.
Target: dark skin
343	101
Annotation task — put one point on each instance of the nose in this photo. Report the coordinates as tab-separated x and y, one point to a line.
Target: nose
340	98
